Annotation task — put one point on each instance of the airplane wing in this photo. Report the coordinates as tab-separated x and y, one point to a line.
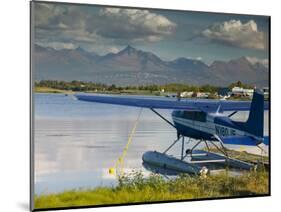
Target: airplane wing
206	105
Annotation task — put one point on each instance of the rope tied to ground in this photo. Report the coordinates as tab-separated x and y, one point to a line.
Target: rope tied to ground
118	168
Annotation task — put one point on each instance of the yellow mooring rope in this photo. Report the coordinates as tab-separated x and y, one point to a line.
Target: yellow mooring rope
120	162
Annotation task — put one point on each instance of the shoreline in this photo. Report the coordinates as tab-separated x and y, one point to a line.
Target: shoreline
135	188
48	90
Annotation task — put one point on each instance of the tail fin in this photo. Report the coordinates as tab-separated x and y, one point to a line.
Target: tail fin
254	124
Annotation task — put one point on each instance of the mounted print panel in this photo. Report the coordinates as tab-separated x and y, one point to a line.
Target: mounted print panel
140	105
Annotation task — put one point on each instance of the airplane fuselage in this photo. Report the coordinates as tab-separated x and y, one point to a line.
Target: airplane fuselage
201	125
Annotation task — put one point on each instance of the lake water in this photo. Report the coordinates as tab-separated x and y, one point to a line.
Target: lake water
77	142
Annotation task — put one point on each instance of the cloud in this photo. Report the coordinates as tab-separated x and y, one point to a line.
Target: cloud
254	60
59	45
46	15
104	49
55	26
195	58
134	25
58	25
113	49
235	33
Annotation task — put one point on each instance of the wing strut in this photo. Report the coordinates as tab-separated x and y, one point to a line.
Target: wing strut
162	117
233	113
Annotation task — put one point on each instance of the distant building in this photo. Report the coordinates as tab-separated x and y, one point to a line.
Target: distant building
186	94
237	91
265	92
202	95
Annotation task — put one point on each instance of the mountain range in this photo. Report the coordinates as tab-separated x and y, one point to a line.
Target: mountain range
132	66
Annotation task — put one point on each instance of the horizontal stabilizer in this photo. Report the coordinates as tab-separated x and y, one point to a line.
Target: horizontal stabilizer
266	140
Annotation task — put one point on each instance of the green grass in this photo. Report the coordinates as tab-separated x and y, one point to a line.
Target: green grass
50	90
135	188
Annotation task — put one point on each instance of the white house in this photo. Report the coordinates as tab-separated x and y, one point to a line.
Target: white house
237	91
186	94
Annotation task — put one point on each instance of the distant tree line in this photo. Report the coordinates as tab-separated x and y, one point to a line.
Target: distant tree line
82	86
74	85
241	85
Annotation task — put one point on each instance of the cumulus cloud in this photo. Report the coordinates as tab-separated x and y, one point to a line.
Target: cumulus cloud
134	24
46	16
236	33
56	27
59	25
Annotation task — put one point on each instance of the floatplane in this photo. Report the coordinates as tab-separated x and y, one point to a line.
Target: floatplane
201	121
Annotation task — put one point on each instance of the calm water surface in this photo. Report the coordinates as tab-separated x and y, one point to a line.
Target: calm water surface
76	142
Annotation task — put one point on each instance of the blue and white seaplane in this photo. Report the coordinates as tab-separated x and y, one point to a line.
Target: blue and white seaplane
202	121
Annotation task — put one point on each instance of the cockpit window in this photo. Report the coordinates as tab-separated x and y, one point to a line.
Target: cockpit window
195	115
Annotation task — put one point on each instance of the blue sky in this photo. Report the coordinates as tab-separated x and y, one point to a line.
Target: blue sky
169	34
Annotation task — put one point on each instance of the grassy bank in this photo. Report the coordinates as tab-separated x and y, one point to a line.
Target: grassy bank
51	90
136	188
